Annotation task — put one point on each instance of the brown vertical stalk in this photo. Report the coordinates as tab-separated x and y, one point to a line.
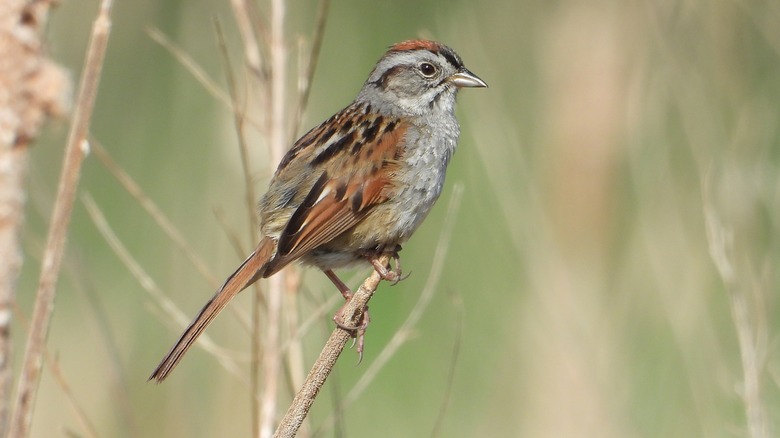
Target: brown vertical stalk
55	246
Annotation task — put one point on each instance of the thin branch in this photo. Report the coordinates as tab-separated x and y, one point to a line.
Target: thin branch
428	291
55	247
402	334
303	401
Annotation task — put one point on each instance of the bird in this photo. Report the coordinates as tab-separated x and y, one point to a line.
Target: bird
357	186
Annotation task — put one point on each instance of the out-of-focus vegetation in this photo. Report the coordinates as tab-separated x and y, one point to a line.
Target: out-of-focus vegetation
615	255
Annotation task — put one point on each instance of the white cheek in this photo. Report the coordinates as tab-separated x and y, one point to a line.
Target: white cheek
418	105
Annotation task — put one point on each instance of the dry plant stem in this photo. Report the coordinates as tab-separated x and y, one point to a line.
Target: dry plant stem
330	353
55	246
272	357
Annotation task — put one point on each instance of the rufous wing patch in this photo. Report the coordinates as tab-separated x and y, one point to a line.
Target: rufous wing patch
342	195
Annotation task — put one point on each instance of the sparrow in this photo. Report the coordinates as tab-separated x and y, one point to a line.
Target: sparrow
357	186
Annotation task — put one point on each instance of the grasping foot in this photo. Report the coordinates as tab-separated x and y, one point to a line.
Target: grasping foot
358	332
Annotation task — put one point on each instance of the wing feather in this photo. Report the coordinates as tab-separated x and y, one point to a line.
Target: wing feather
352	181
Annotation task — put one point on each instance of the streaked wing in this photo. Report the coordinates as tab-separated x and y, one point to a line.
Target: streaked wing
355	167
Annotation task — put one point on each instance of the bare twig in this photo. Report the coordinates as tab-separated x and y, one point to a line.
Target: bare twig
55	246
330	353
403	333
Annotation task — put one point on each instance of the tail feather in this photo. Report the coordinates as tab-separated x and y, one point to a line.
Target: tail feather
250	271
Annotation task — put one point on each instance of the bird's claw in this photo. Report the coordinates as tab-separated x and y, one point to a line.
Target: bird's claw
357	332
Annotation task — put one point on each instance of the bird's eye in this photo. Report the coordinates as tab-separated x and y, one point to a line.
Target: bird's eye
427	69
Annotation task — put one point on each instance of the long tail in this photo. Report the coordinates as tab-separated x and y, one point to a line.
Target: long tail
250	271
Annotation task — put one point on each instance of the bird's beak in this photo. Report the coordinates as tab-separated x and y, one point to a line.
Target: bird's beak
465	78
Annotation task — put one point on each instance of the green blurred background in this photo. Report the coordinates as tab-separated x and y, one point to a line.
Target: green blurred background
586	291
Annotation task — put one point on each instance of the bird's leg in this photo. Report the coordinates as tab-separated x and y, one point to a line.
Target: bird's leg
358	332
343	288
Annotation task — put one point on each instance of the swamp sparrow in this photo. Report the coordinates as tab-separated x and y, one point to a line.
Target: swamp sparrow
357	186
